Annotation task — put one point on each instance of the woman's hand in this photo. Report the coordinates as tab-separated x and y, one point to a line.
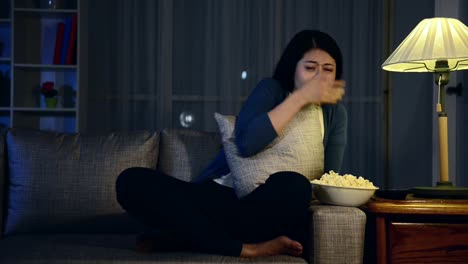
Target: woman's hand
320	91
316	91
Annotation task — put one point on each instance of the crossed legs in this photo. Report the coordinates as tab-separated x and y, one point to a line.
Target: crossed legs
208	217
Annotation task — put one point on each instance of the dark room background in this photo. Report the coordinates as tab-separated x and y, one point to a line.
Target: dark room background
173	63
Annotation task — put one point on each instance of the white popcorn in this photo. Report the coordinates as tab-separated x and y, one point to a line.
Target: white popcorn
334	179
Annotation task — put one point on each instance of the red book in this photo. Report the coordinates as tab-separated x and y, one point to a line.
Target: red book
71	52
58	42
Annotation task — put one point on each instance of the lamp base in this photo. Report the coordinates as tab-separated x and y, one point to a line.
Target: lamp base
443	190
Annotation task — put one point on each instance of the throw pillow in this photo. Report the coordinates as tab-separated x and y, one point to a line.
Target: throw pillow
299	148
184	153
65	183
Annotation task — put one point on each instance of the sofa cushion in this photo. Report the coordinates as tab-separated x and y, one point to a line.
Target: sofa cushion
185	153
298	148
105	249
66	182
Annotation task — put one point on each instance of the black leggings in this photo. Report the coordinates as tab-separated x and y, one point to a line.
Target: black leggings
209	217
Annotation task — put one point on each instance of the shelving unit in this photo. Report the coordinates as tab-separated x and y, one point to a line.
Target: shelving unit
32	31
5	63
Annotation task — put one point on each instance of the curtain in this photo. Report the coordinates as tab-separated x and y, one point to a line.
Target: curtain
173	63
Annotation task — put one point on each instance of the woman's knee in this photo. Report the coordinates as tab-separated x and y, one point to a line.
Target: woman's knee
127	184
293	184
291	180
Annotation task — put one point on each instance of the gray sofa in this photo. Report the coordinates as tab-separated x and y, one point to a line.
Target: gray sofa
57	199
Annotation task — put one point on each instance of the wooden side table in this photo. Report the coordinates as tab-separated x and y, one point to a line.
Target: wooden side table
420	230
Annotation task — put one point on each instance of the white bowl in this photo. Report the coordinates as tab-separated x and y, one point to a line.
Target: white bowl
344	196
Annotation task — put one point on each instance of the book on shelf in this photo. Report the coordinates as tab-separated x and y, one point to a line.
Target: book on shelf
71	52
66	41
58	42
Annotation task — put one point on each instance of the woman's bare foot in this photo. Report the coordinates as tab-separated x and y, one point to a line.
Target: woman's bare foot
277	246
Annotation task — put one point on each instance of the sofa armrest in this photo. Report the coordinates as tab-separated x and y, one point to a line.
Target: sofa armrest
337	234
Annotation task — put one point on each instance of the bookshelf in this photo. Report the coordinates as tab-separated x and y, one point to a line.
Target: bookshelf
32	56
5	62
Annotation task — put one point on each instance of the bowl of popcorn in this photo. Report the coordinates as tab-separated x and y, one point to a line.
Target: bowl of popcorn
344	190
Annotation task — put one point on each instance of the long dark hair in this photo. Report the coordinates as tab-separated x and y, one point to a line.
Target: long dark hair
301	43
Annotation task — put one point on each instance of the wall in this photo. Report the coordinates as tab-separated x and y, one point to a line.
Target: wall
411	106
462	118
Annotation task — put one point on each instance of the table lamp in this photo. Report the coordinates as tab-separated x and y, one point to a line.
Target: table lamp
438	45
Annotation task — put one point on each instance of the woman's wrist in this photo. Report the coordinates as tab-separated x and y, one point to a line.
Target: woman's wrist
300	99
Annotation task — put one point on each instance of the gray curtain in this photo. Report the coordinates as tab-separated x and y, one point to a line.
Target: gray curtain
152	61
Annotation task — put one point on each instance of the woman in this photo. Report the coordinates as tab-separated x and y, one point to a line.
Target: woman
206	215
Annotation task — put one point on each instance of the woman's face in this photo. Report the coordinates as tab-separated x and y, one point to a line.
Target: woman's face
315	63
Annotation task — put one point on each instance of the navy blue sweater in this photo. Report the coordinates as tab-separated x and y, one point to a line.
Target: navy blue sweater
254	130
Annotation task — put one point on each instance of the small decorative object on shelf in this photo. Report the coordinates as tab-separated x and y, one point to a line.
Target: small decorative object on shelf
50	4
50	94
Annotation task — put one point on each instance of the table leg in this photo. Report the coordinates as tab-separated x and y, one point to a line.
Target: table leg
381	240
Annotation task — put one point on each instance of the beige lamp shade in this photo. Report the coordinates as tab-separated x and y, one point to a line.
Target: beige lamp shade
433	39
